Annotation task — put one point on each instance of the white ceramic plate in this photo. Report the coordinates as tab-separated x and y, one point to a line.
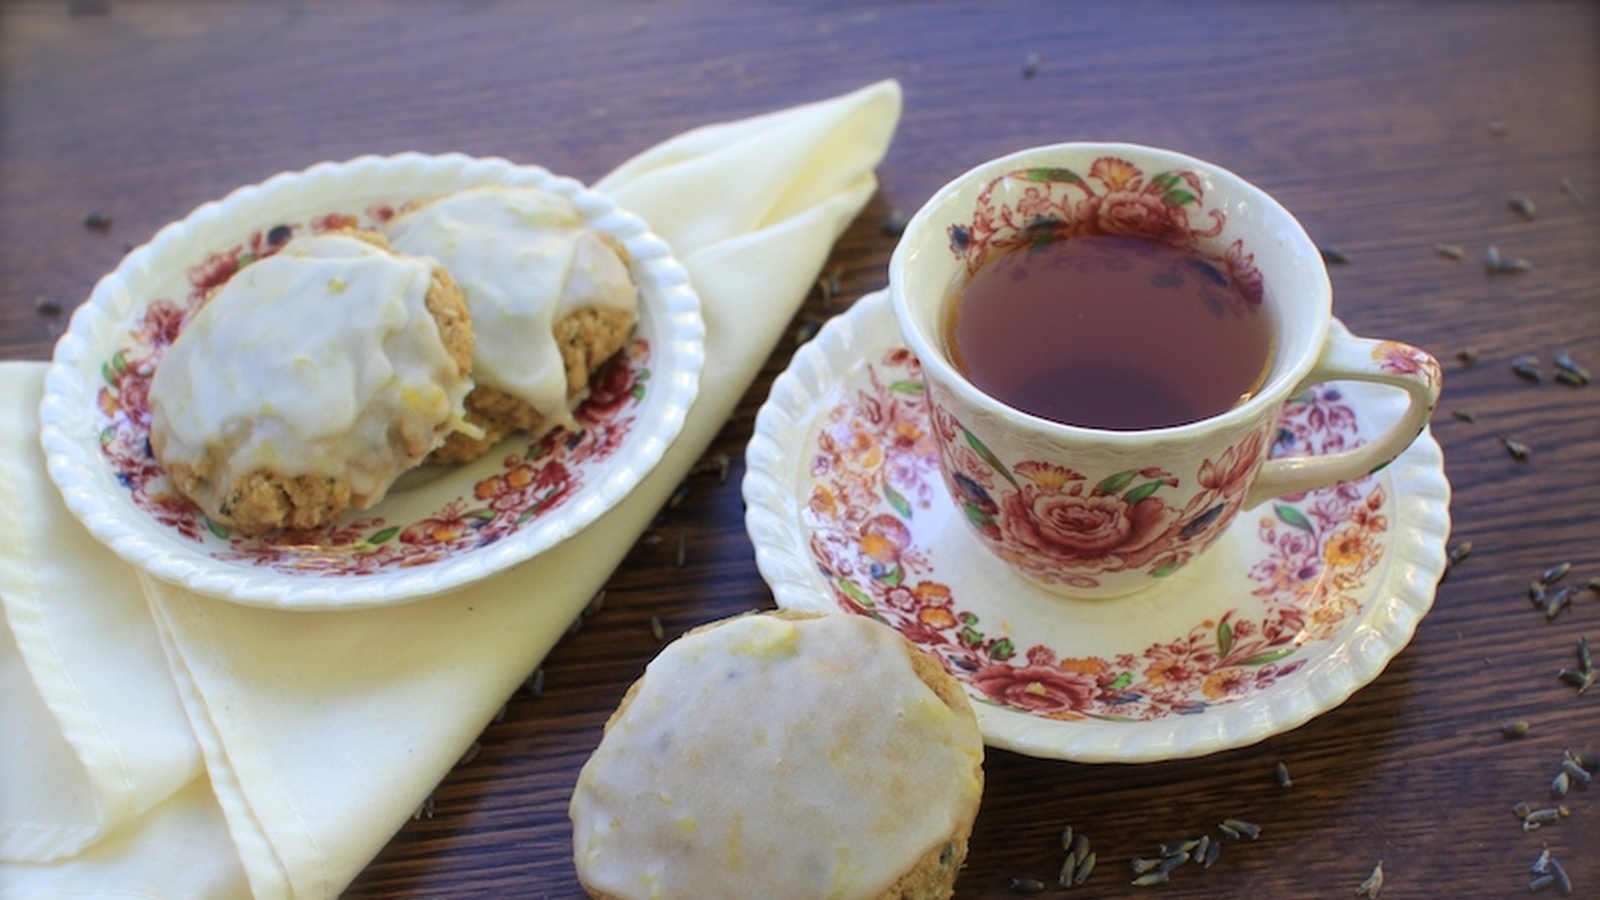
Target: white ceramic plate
438	529
1297	606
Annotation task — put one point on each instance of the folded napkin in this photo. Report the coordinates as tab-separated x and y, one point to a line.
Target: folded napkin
165	744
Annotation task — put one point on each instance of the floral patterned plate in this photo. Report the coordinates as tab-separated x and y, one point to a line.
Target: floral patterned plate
437	529
1303	601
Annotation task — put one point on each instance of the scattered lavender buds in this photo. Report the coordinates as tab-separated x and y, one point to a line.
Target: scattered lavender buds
1374	883
1518	450
1495	263
1526	367
1569	372
1522	206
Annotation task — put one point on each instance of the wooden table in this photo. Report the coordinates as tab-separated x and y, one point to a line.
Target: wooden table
1387	128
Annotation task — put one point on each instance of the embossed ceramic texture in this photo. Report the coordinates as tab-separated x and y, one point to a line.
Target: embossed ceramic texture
1098	512
438	528
1302	601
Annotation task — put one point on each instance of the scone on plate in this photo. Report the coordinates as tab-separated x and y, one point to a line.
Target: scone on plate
551	300
309	381
781	755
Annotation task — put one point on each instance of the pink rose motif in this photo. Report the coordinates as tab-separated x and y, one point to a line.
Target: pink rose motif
1137	215
611	388
1036	688
1104	532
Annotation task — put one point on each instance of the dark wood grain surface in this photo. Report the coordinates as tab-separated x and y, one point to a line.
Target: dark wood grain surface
1386	127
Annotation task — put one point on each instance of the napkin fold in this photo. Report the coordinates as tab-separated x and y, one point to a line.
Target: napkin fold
166	744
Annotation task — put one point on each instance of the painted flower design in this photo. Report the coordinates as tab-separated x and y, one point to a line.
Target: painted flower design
1316	553
1404	359
1055	524
1116	197
1094	531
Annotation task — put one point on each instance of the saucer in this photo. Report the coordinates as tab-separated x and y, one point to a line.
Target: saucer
1300	603
437	528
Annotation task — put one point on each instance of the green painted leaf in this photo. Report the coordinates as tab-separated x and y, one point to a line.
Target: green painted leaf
1178	198
245	259
969	618
988	456
216	529
1165	181
1142	491
1115	483
972	637
644	375
1002	649
120	362
1053	173
384	536
1121	681
906	387
854	593
977	516
897	500
1294	518
108	373
637	392
1224	638
483	515
1271	656
1165	570
893	577
107	435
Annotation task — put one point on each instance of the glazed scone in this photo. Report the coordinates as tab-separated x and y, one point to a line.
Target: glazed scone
779	755
551	300
309	381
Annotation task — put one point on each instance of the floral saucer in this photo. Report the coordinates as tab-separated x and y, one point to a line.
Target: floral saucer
1302	602
438	528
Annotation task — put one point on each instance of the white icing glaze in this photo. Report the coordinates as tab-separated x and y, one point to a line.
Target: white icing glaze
524	261
778	759
321	359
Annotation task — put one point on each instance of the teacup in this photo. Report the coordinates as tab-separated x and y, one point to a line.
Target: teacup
1097	512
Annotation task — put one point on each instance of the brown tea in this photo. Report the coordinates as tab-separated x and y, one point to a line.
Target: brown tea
1110	332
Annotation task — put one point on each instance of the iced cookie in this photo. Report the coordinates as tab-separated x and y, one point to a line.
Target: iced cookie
780	755
551	300
309	381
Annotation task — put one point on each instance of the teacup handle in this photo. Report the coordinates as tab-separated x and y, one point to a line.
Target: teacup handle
1346	357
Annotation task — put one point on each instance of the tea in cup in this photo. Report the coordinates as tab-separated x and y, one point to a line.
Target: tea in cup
1107	334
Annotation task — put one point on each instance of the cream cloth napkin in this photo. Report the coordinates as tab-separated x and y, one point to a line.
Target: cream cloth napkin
162	744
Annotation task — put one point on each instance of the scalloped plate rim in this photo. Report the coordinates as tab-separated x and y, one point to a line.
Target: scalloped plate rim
80	472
